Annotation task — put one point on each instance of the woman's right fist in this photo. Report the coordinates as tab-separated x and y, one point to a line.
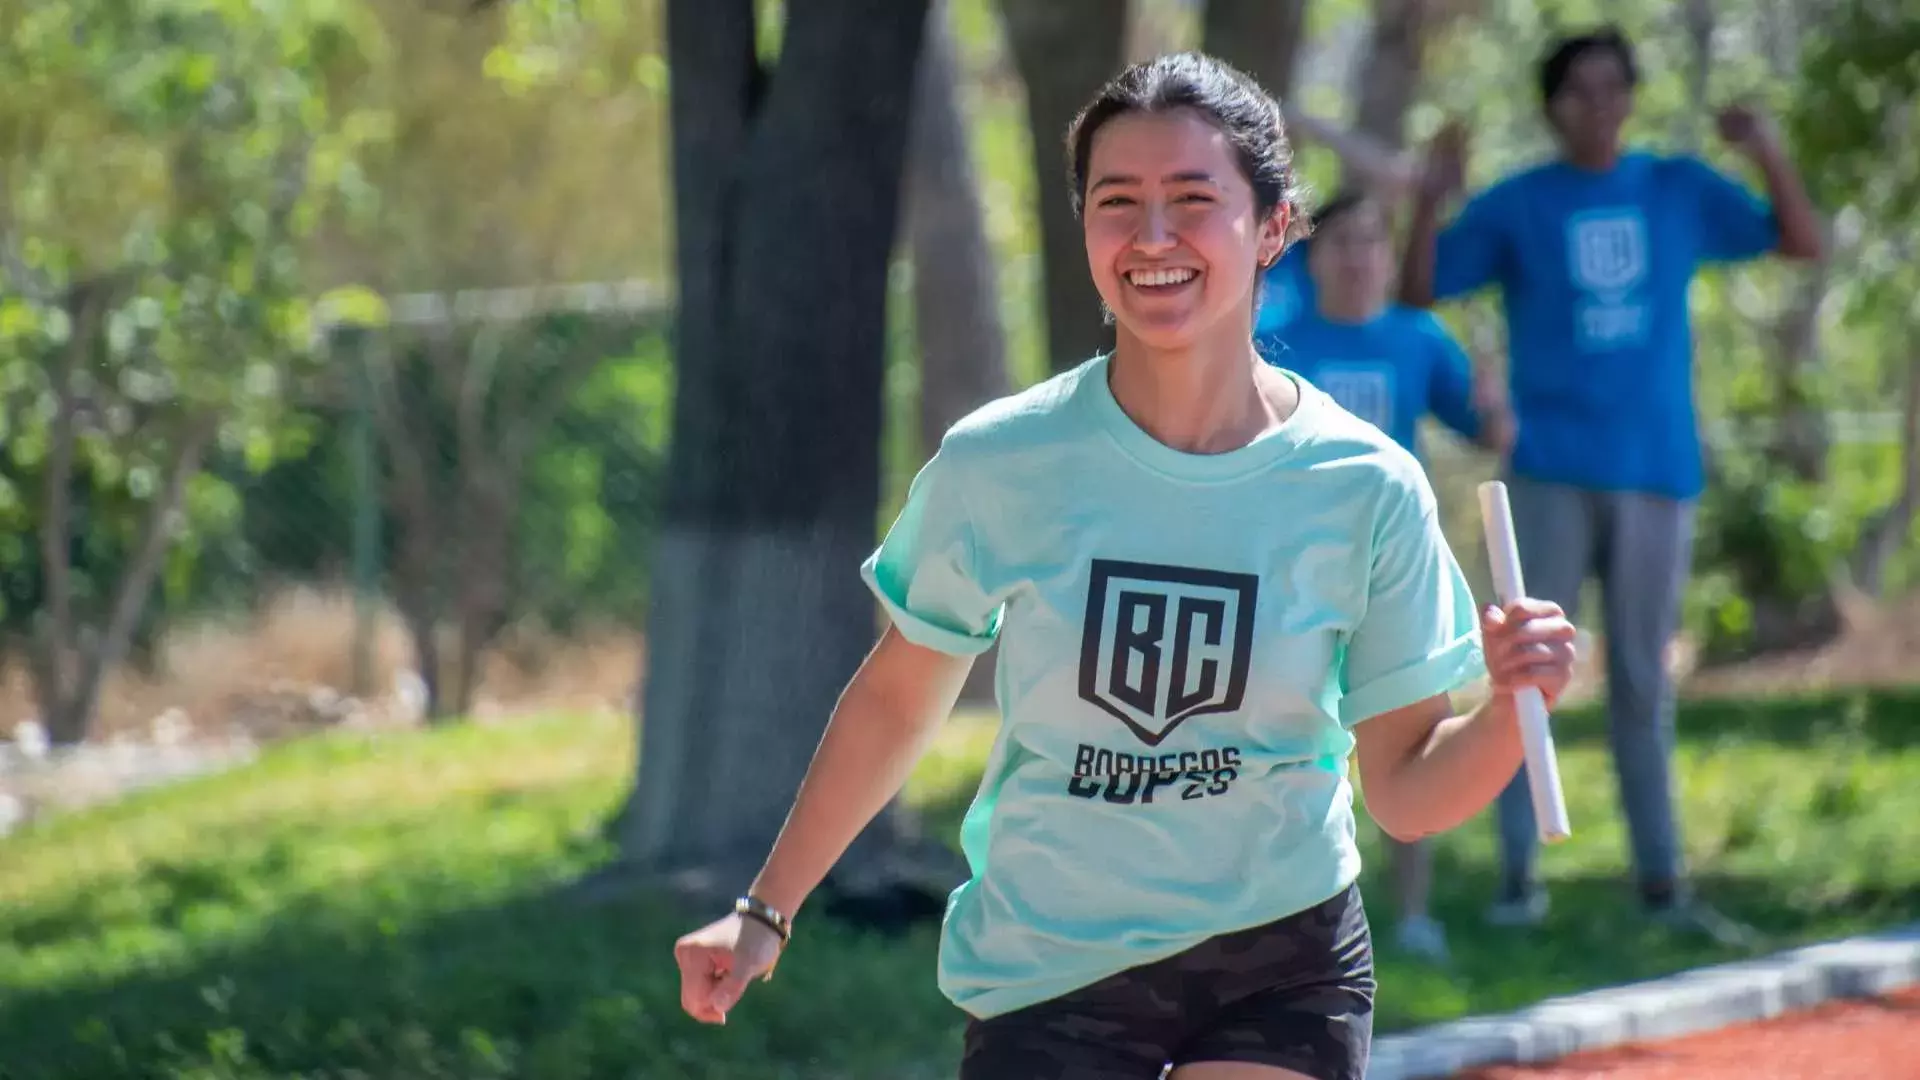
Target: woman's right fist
718	960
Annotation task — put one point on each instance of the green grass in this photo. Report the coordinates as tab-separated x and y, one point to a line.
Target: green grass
386	909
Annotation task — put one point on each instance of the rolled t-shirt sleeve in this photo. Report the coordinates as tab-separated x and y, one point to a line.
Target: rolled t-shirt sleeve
1735	224
925	571
1449	379
1471	253
1420	632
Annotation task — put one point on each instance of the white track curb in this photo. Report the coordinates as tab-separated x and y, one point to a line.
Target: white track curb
1693	1001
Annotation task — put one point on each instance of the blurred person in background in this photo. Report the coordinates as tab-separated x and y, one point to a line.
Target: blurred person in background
1592	254
1286	288
1389	365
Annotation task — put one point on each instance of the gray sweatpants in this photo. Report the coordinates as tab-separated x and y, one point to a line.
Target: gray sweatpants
1641	548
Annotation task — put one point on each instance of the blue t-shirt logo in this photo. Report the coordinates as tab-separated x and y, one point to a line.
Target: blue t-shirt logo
1389	371
1607	249
1365	390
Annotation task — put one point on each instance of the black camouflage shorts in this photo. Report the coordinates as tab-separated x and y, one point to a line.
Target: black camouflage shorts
1296	993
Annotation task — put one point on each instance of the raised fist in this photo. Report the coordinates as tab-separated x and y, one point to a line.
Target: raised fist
1445	170
1746	129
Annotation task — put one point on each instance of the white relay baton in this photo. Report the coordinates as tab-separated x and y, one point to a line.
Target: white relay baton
1543	771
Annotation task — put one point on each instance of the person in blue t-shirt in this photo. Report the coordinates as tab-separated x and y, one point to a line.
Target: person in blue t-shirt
1286	288
1286	291
1592	254
1389	365
1213	589
1386	363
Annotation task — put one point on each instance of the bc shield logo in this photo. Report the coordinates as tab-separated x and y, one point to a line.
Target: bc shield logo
1165	643
1608	248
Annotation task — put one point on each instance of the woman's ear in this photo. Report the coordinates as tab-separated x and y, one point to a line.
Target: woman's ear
1274	230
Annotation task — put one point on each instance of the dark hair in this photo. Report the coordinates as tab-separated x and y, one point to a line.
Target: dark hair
1559	59
1344	202
1230	100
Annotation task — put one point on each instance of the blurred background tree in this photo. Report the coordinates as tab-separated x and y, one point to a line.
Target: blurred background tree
162	173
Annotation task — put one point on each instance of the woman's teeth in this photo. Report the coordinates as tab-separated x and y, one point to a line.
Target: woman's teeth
1179	276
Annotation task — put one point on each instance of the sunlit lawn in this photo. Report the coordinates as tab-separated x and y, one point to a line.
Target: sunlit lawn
348	908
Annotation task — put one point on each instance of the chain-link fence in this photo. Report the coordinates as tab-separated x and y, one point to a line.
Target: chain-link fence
450	515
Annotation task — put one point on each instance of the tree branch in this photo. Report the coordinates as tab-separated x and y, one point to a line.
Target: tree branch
415	585
24	279
476	362
555	394
130	598
83	315
383	400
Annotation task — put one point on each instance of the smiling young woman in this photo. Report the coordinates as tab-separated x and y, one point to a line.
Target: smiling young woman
1185	195
1212	587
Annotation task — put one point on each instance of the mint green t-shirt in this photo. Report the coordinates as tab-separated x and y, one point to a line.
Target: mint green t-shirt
1185	643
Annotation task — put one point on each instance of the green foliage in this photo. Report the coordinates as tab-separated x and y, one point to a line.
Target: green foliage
587	514
593	494
529	148
385	907
158	175
1856	124
1854	115
1760	534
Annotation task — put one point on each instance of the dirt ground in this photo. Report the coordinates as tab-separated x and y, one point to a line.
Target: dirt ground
289	669
1879	647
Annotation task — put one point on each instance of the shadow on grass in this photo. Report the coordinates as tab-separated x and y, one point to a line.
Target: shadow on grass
544	987
536	986
1595	935
1884	719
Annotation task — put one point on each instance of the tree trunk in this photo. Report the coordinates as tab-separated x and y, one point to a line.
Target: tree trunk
955	298
423	627
1260	37
1692	128
417	571
1882	537
787	195
135	586
1389	77
455	576
57	660
1065	50
488	487
1800	440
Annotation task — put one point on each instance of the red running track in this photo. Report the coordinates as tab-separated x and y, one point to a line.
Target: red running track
1876	1039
